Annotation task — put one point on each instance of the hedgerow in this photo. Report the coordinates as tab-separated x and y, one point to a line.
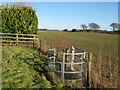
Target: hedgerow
19	19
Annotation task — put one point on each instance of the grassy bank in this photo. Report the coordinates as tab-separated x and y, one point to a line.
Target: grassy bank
24	67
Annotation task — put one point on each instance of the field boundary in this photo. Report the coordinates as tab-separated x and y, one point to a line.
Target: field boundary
18	39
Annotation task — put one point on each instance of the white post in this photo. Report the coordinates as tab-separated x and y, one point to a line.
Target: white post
72	63
63	66
84	55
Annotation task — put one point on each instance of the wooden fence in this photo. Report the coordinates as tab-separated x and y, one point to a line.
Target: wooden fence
18	39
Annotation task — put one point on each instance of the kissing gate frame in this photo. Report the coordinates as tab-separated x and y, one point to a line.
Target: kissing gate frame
73	64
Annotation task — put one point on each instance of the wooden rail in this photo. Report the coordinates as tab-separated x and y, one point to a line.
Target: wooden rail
18	39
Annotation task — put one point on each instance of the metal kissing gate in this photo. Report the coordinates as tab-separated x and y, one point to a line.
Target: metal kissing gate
70	64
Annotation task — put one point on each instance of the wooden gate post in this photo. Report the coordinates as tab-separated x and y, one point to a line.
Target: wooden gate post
37	42
89	63
67	58
33	41
16	39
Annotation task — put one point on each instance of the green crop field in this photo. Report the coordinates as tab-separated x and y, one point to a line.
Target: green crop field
91	42
104	47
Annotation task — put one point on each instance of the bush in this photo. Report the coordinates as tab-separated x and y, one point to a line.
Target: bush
19	19
74	30
65	30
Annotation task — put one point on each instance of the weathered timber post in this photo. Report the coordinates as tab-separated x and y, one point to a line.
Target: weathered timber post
57	51
86	74
34	41
37	42
44	46
16	39
67	58
89	63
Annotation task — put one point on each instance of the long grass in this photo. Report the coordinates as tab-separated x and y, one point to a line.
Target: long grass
103	46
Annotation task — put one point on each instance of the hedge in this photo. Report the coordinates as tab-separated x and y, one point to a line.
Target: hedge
19	19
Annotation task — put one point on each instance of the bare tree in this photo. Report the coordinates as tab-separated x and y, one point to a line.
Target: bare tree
22	4
115	26
84	26
94	26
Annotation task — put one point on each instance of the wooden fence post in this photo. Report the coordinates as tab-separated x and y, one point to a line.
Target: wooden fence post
37	43
33	41
16	39
57	51
43	46
89	63
67	57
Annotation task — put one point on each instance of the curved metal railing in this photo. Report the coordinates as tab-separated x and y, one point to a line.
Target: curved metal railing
73	65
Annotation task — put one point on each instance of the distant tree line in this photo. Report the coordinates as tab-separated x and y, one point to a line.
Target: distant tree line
48	30
93	27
